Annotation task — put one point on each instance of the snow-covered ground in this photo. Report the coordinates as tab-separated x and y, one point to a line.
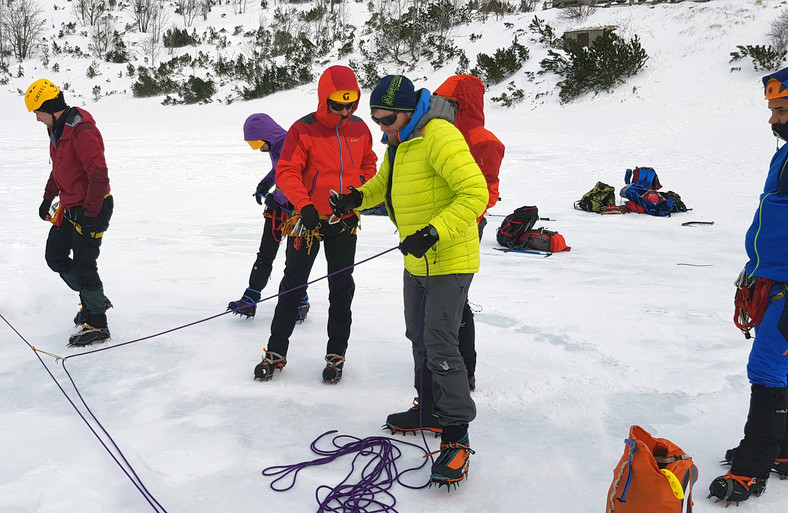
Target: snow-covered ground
632	326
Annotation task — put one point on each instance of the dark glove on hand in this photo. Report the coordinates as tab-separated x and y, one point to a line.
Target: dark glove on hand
271	203
418	243
262	189
341	204
309	217
43	210
88	225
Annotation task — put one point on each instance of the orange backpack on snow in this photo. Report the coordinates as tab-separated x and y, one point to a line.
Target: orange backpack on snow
654	475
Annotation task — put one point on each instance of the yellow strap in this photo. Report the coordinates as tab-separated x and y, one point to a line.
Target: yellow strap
56	357
93	235
779	294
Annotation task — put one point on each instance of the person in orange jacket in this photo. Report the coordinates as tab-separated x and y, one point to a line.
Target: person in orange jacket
467	94
324	152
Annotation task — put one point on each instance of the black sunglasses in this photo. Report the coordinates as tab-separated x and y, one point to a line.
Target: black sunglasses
386	120
339	107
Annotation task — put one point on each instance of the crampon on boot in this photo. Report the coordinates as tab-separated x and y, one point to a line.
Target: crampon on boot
303	309
734	488
247	305
264	370
413	420
87	335
333	371
451	465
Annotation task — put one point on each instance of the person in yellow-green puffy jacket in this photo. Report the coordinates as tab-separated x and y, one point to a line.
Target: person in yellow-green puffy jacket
433	191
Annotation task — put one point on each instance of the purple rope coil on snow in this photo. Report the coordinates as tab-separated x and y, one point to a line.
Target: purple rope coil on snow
376	460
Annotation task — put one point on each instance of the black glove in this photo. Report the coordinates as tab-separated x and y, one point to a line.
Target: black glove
262	189
418	243
43	210
341	204
309	217
271	203
88	225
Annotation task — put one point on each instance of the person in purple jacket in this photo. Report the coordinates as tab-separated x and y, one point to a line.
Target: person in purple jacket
262	133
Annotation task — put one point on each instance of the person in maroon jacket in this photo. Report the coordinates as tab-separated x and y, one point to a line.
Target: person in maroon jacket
79	177
325	152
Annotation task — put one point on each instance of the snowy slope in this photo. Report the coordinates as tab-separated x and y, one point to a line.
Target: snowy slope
573	349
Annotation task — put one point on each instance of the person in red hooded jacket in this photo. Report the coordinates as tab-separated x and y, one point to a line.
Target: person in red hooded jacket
467	94
79	177
324	152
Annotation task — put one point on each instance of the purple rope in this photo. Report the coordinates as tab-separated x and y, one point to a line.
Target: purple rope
133	477
375	458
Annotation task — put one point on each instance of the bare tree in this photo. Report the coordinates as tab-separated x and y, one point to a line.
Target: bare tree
151	50
22	23
5	48
152	44
144	11
157	24
578	13
188	9
778	35
205	8
239	6
101	36
88	12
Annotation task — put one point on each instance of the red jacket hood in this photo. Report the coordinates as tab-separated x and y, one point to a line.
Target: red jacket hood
335	78
468	91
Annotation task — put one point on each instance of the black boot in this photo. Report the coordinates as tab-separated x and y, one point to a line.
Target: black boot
247	305
415	419
756	454
333	371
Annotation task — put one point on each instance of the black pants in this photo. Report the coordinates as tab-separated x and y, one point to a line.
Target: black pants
269	247
74	256
339	244
467	333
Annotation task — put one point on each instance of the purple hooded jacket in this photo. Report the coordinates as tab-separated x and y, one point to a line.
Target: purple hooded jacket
261	127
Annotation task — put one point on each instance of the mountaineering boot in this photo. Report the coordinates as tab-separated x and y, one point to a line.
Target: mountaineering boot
333	371
82	316
247	305
264	370
451	465
755	456
734	488
87	335
413	420
303	309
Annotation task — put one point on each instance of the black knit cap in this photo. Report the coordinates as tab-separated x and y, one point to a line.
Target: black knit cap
394	92
54	105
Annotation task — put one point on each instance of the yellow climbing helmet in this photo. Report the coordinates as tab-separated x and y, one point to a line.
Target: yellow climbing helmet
40	91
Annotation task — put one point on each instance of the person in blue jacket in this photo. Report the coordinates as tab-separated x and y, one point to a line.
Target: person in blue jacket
764	447
264	134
